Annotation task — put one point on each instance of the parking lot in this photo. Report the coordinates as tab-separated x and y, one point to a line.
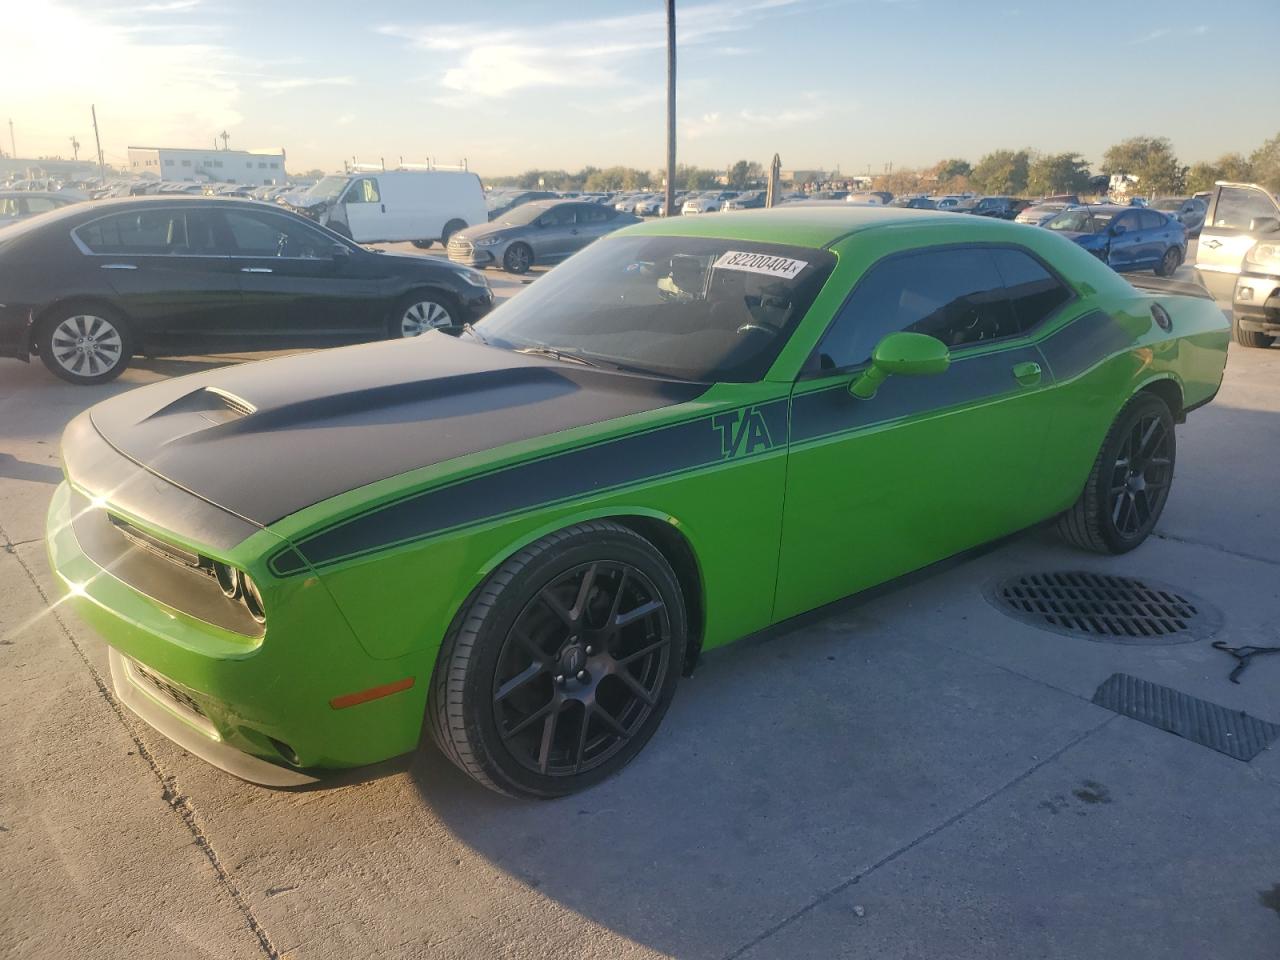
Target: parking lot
913	775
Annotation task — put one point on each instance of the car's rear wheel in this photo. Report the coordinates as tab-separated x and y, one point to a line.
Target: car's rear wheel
1170	262
518	258
1249	338
421	312
1129	484
423	244
85	344
450	228
559	668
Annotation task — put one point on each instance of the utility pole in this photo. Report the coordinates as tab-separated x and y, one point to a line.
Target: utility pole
671	108
102	169
13	149
75	149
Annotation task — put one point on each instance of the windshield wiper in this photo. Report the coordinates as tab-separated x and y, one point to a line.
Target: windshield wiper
468	328
542	350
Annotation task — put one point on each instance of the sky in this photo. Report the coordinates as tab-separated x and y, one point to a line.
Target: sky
511	86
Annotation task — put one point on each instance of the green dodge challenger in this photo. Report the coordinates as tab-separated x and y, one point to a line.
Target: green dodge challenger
523	536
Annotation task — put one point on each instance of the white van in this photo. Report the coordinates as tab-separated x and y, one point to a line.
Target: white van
392	205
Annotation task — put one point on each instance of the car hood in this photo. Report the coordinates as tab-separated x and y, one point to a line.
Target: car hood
492	229
264	440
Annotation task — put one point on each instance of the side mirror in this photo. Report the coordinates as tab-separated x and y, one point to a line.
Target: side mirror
905	355
339	251
1118	229
1264	225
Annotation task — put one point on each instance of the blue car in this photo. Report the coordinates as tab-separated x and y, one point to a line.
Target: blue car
1126	238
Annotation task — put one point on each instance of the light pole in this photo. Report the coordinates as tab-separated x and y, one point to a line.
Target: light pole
671	108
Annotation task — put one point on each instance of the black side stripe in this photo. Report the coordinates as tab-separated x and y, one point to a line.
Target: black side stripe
690	445
696	444
826	412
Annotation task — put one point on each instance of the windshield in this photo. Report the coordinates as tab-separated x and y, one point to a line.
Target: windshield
327	188
1168	204
1081	221
691	308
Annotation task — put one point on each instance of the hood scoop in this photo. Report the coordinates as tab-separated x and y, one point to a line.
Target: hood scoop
214	405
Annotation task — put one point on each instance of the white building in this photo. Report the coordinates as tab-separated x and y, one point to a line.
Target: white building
228	166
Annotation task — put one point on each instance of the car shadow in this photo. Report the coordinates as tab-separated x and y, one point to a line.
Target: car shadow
11	468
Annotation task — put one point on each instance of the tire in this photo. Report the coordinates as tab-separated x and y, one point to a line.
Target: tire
420	311
85	344
450	228
1169	263
487	713
423	244
1119	507
518	258
1249	338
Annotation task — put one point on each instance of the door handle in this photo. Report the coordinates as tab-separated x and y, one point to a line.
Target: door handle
119	266
384	208
1027	374
256	270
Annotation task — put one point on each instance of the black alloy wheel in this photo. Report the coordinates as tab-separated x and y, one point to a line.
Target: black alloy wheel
560	666
582	668
518	258
1141	475
1169	263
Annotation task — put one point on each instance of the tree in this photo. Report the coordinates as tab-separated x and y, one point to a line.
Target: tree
951	169
745	173
316	174
1265	163
1150	159
1002	171
1058	173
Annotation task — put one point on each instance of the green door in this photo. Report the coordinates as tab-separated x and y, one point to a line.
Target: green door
932	465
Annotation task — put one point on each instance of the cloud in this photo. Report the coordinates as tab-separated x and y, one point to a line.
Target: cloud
1161	33
297	83
483	63
812	107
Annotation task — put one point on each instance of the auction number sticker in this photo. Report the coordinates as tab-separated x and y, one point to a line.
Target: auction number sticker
761	263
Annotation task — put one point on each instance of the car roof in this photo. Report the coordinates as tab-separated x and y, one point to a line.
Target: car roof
49	194
92	209
795	225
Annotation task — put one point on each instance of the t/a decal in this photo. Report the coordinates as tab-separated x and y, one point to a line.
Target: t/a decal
742	432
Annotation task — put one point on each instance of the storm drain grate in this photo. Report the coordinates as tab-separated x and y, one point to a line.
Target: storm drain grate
1231	732
1104	607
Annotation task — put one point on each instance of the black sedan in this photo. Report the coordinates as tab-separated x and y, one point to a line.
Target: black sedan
87	287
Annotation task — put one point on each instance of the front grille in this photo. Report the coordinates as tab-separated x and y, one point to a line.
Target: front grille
166	689
459	247
169	551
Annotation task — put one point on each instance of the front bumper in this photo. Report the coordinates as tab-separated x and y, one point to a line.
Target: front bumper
469	255
1256	303
258	707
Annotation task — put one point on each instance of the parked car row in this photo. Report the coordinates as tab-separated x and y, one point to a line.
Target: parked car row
1238	256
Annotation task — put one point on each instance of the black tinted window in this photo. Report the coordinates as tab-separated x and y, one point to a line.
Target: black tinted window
268	235
1237	206
1151	220
1033	291
171	232
955	295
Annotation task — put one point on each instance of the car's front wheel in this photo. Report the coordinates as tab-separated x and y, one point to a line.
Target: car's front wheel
85	344
559	668
420	312
1129	484
1169	263
518	258
1249	338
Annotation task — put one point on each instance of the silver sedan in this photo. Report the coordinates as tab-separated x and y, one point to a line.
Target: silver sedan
544	231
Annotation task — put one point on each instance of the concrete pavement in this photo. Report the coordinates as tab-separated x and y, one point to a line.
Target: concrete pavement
913	776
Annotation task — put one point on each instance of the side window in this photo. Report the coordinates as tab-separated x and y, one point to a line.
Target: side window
1151	220
1128	220
39	204
1237	206
363	191
593	213
265	235
558	216
1033	292
955	295
154	232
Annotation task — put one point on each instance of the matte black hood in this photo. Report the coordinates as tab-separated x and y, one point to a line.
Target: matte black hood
265	440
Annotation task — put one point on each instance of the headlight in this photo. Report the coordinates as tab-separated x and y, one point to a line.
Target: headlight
1264	255
252	598
486	241
475	278
236	585
228	579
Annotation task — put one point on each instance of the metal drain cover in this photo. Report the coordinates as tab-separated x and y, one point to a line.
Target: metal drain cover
1105	608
